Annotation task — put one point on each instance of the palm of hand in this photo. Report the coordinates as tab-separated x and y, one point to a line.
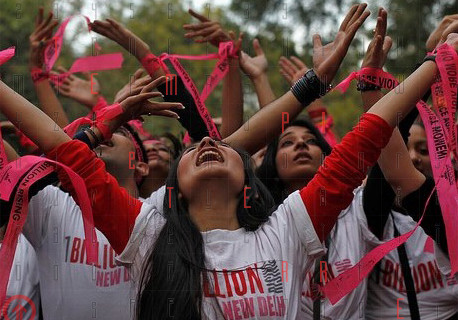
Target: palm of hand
255	66
82	91
321	54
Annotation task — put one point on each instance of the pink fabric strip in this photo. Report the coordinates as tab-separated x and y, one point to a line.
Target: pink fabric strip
91	63
201	108
375	76
445	90
23	173
100	121
6	55
347	281
445	181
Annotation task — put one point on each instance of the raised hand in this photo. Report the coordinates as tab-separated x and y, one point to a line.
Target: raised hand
135	85
380	45
254	66
448	25
137	103
120	34
292	69
206	29
80	90
40	38
327	59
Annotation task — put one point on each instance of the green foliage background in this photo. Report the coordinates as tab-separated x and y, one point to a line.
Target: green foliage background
276	23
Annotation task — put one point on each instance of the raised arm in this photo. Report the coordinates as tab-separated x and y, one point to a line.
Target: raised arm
190	117
40	36
207	30
102	187
256	69
267	123
394	160
331	190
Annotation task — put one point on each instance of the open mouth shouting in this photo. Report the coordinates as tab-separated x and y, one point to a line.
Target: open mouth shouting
208	155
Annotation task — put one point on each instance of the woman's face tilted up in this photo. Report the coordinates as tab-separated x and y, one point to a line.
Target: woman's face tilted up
298	155
210	162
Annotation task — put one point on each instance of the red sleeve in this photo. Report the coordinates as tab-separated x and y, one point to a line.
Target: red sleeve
331	189
113	208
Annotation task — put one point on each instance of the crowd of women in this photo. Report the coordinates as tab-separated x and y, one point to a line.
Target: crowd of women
246	221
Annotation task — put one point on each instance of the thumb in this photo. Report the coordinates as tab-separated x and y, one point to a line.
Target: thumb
317	41
257	47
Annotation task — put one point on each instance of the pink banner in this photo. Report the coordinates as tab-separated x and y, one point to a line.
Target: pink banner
91	63
444	176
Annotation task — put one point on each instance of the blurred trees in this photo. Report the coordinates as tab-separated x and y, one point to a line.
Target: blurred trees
283	28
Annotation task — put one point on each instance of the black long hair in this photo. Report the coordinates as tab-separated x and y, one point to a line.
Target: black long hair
267	171
170	283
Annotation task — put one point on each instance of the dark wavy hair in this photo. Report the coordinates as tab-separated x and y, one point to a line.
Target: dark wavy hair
267	171
170	284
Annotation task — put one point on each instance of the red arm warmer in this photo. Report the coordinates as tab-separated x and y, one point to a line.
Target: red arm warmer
113	208
331	189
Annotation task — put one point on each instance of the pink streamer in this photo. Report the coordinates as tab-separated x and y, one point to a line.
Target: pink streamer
91	63
6	55
443	173
23	173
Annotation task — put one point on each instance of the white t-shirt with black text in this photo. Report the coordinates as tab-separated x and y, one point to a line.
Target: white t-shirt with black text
437	293
23	291
265	268
71	288
350	240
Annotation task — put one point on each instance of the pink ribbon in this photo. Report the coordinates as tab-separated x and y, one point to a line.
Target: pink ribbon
23	173
101	117
6	55
443	173
347	281
325	130
84	64
374	76
225	50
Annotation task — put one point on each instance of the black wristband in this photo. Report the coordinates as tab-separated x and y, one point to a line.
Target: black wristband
430	58
309	88
83	137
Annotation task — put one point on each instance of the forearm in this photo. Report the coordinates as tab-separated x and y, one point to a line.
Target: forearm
396	104
33	122
394	161
232	104
398	169
263	90
50	104
11	154
370	98
266	124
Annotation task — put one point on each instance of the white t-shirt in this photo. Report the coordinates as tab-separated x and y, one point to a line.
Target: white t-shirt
437	294
350	241
72	289
266	267
23	291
